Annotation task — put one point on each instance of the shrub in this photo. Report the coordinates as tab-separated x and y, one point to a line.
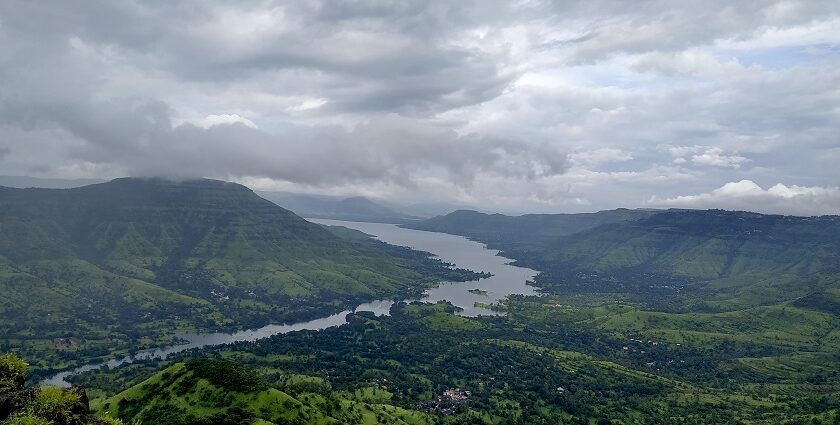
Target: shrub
22	405
26	419
227	374
12	371
56	403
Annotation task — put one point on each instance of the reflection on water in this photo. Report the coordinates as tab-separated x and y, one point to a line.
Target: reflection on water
506	280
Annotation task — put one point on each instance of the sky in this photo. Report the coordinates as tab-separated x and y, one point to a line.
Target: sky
511	106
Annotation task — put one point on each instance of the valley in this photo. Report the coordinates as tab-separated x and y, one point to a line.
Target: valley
625	316
367	212
97	271
499	279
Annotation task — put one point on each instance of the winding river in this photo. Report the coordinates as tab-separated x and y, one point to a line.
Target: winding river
506	280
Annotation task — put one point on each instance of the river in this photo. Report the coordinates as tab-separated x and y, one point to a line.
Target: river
462	252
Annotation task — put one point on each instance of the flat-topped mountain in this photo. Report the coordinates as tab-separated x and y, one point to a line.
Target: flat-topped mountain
735	258
133	256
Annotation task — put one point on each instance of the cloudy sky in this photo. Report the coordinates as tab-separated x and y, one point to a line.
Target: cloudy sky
514	106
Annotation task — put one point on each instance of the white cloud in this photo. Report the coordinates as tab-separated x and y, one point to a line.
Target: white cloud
746	195
715	157
307	104
695	62
224	119
599	156
705	156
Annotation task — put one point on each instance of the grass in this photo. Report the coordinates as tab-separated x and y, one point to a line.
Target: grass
449	322
200	398
777	326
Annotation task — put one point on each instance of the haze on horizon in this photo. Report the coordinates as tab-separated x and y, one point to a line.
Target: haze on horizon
531	106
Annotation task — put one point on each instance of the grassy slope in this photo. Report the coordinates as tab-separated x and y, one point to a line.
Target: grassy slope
177	391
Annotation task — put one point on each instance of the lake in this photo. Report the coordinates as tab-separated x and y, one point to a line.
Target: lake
462	252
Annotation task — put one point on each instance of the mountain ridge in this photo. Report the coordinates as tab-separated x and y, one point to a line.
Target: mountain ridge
133	256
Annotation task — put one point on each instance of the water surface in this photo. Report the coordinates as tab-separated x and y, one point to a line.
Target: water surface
462	252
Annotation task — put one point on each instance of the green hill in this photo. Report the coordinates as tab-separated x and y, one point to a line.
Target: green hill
734	259
88	269
207	391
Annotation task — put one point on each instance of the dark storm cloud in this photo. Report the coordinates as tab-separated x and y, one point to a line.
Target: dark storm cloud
403	61
138	136
400	57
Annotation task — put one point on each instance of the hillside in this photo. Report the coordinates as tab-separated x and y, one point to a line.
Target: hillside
732	259
90	269
336	208
208	391
745	258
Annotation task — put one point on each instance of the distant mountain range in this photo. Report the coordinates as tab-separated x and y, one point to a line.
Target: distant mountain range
529	229
356	208
23	182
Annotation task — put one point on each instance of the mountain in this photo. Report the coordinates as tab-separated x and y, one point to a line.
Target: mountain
87	270
428	208
740	257
23	182
707	245
499	230
336	208
734	259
